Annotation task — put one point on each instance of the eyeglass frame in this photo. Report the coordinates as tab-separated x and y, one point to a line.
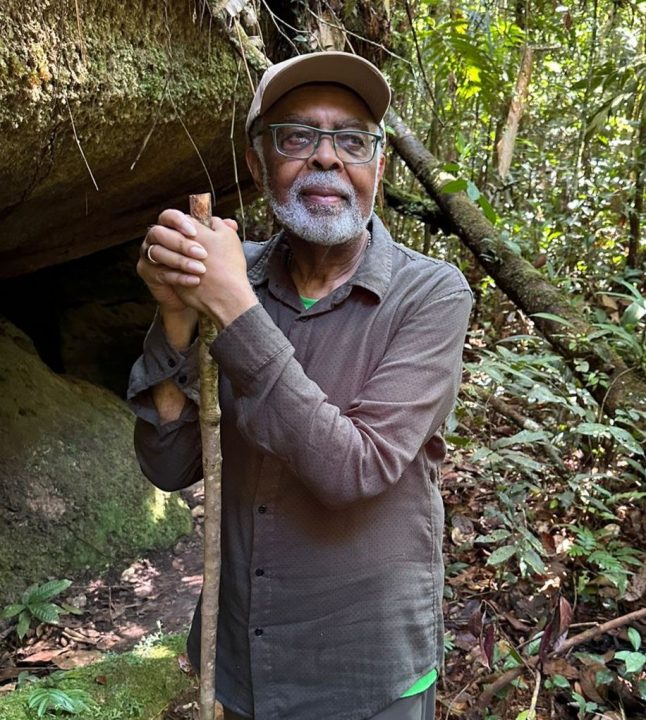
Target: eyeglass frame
377	138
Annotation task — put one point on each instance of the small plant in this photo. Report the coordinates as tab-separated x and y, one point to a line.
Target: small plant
36	604
51	701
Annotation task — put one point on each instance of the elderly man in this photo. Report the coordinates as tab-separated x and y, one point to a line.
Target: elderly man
339	354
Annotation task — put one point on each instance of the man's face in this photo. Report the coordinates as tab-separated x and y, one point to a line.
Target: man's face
321	200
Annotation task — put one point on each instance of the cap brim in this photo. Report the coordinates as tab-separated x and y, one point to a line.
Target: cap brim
350	71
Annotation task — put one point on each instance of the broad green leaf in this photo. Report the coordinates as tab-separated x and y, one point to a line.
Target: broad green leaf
472	191
46	612
633	314
11	611
26	594
501	555
560	681
71	609
493	536
635	661
24	620
626	439
553	318
533	559
593	429
487	209
454	186
635	638
522	437
47	591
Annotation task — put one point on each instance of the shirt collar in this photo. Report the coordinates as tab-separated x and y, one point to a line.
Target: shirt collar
373	274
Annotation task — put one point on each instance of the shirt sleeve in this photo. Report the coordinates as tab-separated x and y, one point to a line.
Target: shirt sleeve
358	453
169	454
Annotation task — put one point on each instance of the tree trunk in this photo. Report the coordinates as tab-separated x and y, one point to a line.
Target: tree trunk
634	216
507	140
520	281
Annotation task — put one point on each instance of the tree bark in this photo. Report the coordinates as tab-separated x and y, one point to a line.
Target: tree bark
507	140
520	281
634	216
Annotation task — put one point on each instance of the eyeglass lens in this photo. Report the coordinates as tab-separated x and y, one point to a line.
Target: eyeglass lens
298	141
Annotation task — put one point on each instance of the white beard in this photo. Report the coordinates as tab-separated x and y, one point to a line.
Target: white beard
320	225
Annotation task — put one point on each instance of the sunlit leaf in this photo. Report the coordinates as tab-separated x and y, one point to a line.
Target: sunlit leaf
501	555
454	186
635	661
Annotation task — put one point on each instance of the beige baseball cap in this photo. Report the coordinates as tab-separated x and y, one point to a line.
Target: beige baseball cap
352	71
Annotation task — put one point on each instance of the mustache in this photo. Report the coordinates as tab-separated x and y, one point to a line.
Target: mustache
319	179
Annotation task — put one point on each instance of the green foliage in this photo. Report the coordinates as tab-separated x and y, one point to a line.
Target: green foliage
46	701
138	684
35	605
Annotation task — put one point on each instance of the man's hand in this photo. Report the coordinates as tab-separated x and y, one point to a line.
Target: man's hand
190	267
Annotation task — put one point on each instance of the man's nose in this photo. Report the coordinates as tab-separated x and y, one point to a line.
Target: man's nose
325	157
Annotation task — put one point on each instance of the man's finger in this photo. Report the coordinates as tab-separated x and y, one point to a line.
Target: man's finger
158	254
178	221
173	240
230	222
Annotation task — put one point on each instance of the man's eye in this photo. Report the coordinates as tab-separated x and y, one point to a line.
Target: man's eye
353	141
297	138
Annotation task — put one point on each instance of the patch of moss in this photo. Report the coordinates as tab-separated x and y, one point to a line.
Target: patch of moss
137	685
72	495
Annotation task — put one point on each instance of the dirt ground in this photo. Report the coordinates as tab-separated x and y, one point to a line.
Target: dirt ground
155	593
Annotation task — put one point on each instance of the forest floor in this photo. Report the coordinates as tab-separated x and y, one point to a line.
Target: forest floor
489	620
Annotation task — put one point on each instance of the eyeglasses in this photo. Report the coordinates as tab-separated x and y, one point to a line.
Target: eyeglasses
302	141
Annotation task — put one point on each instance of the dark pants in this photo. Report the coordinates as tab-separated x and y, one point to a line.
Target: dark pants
417	707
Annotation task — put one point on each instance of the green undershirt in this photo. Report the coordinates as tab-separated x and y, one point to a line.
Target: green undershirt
425	682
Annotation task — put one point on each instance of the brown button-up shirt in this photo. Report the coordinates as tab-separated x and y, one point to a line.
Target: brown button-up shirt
332	571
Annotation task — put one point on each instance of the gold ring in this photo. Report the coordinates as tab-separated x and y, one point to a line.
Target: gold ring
149	257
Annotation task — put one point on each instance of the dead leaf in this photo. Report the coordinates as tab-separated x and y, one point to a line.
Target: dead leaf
487	644
185	664
637	585
42	656
476	621
556	631
462	530
560	666
590	688
77	658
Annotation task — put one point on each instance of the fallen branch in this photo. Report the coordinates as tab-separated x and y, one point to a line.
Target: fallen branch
416	207
507	678
525	286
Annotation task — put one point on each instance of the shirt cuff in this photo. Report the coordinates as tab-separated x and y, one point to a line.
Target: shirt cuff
161	361
247	345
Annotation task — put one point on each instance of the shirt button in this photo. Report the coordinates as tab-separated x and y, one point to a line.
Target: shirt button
259	572
258	631
262	509
171	362
181	379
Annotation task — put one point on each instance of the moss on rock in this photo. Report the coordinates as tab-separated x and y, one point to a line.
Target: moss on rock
72	496
95	82
138	684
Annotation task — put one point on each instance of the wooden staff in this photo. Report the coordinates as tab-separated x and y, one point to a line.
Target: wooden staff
200	206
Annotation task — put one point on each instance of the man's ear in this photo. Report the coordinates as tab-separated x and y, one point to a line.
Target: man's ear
255	168
382	165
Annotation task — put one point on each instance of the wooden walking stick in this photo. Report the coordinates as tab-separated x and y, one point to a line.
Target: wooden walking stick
200	206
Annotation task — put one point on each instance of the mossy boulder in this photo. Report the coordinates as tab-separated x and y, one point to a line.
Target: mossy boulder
72	496
138	684
136	97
